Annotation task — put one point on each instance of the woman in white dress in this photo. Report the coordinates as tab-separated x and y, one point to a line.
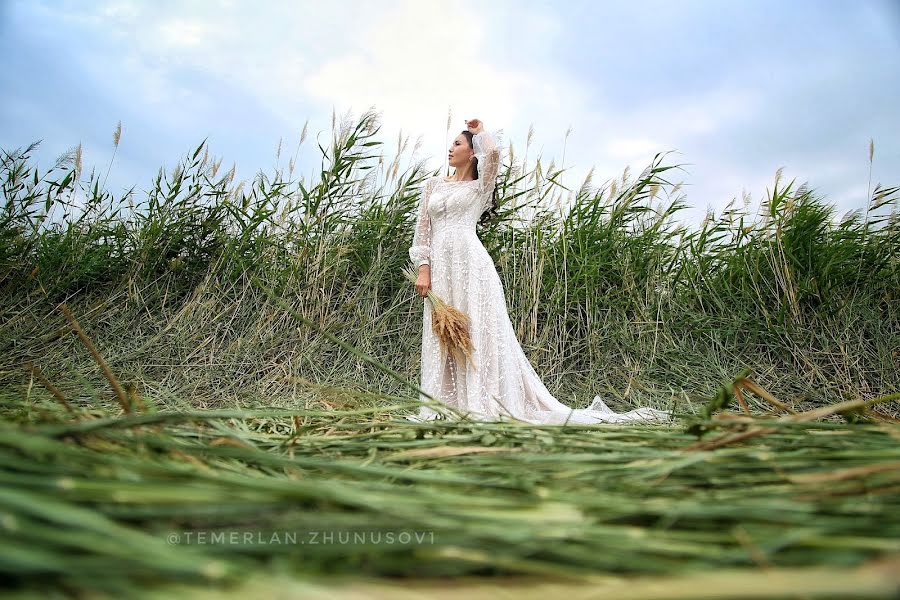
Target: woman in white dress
454	264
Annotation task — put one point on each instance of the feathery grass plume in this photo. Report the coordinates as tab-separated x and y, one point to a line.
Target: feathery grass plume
78	160
447	139
709	216
178	172
373	122
396	171
117	136
589	177
871	157
565	143
229	176
449	324
293	162
585	185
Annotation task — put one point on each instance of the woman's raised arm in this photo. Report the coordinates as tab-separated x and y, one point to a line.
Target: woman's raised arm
487	147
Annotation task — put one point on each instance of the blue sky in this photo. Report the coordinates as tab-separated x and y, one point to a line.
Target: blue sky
736	88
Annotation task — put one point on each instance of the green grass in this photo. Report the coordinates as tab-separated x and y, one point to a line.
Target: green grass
608	292
90	501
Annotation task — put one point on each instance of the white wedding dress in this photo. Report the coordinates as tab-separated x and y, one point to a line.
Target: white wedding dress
502	383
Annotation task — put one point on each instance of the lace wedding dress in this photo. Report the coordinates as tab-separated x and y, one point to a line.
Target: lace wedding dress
502	383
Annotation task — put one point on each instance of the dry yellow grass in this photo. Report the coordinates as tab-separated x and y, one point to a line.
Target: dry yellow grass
449	324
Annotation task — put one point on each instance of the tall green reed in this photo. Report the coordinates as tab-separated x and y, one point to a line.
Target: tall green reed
609	293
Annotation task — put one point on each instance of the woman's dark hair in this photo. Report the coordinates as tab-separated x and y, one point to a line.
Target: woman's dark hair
492	210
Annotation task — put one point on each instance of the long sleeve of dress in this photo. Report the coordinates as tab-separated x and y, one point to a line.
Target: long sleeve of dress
487	146
420	251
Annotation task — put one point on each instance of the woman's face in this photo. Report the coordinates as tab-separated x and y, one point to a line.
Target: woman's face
460	152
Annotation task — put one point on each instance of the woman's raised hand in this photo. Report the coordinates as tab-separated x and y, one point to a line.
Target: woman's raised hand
475	126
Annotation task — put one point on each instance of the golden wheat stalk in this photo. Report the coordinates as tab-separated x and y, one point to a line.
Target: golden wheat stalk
449	324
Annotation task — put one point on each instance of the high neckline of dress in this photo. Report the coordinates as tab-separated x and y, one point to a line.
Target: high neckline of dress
463	181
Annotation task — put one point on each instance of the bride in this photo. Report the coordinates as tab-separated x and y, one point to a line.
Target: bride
452	262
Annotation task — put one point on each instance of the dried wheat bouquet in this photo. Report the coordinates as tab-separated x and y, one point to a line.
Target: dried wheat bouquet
449	324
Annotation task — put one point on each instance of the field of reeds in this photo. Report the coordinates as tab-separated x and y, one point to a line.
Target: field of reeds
214	357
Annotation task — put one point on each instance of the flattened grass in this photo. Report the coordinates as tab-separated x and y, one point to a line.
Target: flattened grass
94	503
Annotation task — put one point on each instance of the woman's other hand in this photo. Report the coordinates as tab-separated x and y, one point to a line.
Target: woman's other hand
423	282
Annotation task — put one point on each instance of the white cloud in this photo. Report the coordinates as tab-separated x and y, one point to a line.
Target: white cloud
497	61
180	33
412	60
122	11
415	62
